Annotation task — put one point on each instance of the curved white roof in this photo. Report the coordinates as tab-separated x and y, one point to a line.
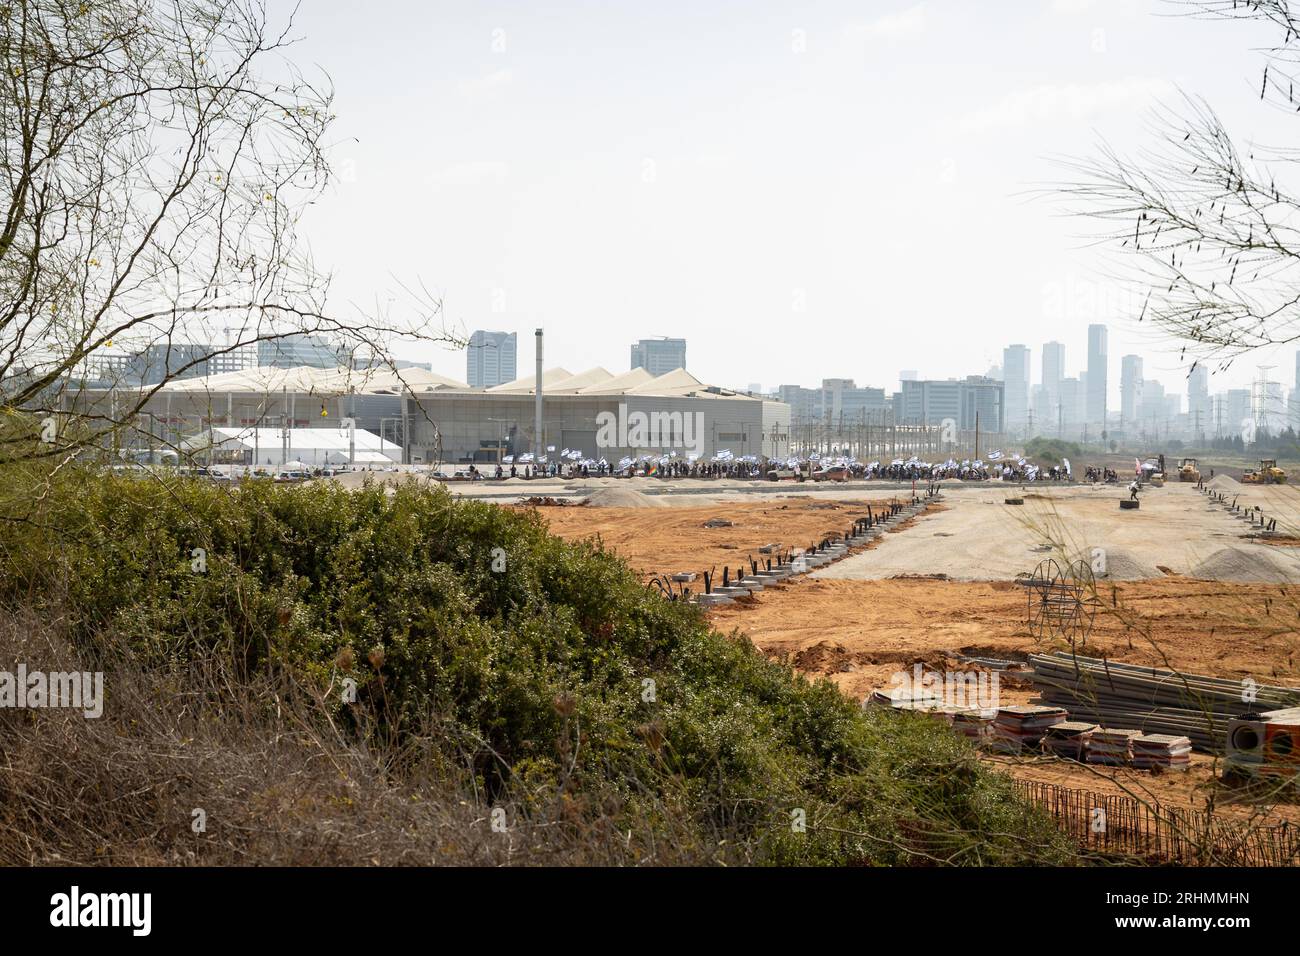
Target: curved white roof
319	381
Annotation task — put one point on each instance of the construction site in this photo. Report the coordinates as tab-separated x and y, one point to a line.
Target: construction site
1143	658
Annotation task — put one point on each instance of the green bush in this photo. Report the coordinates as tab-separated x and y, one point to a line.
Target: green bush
1050	451
536	673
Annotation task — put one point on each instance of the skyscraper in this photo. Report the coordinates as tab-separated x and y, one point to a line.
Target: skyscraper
491	358
1097	374
1237	417
1068	403
1152	410
658	356
1198	401
1053	371
1130	390
1015	373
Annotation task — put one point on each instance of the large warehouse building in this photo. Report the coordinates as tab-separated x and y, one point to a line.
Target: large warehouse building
269	397
437	419
599	414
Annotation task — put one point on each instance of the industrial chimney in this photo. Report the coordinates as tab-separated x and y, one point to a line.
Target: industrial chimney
538	440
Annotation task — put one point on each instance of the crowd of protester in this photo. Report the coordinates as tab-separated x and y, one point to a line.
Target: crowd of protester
752	468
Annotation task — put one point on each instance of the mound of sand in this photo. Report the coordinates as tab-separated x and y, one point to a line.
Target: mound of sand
1223	483
622	498
1247	564
1123	566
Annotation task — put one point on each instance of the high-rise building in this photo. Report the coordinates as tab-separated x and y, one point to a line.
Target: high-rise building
491	359
1236	413
1015	375
1053	370
1198	401
840	402
1042	410
911	374
659	356
1097	357
1152	410
803	402
1130	390
844	403
297	350
970	401
1069	404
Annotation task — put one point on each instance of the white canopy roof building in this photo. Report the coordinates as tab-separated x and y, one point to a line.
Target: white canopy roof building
276	447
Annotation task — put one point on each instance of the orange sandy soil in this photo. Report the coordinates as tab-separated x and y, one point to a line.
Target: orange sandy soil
674	538
859	633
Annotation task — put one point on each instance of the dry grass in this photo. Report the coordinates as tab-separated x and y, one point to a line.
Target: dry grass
279	782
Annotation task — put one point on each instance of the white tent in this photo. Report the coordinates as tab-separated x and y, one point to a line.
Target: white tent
359	458
284	447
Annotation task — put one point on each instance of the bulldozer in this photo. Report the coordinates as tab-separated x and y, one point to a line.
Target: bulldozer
1189	470
1268	474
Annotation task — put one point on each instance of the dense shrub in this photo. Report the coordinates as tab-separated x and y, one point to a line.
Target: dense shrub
1050	451
537	674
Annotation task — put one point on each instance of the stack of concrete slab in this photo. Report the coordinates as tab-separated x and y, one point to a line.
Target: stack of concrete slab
1110	747
1068	738
975	725
1165	751
902	700
1022	726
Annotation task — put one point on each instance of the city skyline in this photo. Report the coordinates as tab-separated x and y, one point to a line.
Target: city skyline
596	212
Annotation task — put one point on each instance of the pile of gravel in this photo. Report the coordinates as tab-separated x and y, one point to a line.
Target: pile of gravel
1257	563
622	498
1223	483
1123	566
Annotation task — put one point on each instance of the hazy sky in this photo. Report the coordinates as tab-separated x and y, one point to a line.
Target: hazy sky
801	190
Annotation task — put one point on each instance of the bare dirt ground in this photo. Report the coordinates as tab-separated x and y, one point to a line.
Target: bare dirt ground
668	540
862	620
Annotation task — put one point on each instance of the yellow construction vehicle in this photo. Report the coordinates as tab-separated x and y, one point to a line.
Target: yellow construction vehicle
1153	471
1269	474
1188	470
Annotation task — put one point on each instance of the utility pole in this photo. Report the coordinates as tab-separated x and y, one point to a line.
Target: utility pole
537	406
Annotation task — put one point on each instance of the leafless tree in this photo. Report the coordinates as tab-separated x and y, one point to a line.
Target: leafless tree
1207	229
156	159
